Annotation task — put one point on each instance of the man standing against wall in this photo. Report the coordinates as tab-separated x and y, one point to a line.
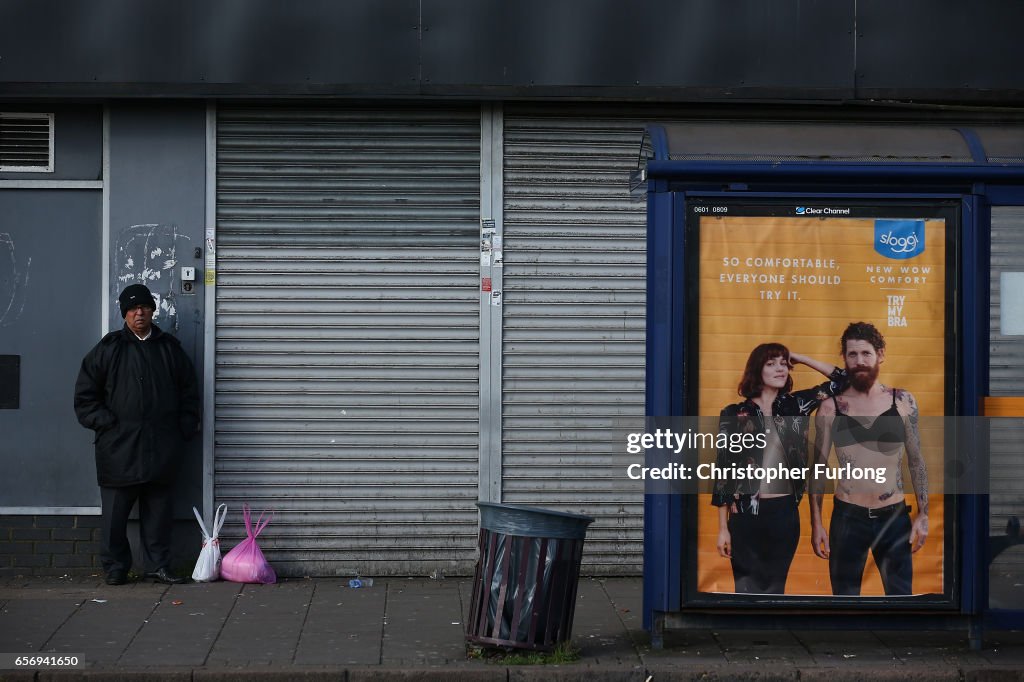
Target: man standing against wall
137	390
871	426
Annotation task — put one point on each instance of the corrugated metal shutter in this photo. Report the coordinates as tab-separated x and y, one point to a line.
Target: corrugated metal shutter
574	320
1006	378
1006	359
347	335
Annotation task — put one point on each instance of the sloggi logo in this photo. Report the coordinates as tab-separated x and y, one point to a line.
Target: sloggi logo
899	244
899	239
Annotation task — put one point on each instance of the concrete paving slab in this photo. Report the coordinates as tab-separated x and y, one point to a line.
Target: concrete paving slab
628	605
628	598
424	623
134	588
17	675
102	628
835	648
264	625
684	648
67	590
184	626
344	626
597	629
997	655
916	647
17	593
753	646
466	588
26	624
1002	649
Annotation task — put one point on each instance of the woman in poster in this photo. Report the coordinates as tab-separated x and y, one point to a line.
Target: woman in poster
758	521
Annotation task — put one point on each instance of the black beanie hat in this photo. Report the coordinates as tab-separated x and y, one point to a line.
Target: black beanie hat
133	295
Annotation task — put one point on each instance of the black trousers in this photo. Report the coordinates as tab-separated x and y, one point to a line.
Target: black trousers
763	545
886	532
156	509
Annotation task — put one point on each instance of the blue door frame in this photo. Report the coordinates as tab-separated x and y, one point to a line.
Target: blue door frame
978	186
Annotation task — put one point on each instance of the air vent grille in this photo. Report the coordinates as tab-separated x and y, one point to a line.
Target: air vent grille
26	142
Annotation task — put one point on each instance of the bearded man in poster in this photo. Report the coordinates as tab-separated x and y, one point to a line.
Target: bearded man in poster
871	425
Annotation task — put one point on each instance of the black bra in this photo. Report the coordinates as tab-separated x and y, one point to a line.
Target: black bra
887	427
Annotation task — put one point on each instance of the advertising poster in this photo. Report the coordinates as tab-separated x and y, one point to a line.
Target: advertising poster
798	275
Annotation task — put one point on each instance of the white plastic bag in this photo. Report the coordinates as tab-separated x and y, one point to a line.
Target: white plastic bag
208	565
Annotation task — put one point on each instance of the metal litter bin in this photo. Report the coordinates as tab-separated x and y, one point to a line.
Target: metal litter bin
524	590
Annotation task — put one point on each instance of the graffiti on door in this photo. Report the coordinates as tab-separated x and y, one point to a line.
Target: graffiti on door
14	273
148	254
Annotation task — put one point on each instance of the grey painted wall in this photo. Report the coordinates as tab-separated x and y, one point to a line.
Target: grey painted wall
157	219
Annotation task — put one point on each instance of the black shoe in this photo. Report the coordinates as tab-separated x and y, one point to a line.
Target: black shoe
116	577
162	576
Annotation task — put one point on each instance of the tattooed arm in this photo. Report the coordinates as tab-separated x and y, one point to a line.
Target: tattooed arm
823	368
724	542
822	447
907	407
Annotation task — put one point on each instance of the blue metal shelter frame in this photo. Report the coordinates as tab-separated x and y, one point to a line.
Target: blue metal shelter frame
670	181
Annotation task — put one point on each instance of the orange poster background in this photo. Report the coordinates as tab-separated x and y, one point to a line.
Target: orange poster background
851	283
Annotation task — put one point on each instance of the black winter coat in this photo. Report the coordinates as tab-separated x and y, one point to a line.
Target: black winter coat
142	400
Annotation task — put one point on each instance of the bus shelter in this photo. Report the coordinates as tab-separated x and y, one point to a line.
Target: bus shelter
789	234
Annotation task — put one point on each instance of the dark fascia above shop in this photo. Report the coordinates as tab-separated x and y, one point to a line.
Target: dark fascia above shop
748	51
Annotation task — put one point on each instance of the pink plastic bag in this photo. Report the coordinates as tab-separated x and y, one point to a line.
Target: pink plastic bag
246	563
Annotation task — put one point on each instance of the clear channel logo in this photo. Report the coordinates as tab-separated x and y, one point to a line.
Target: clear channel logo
899	239
823	211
